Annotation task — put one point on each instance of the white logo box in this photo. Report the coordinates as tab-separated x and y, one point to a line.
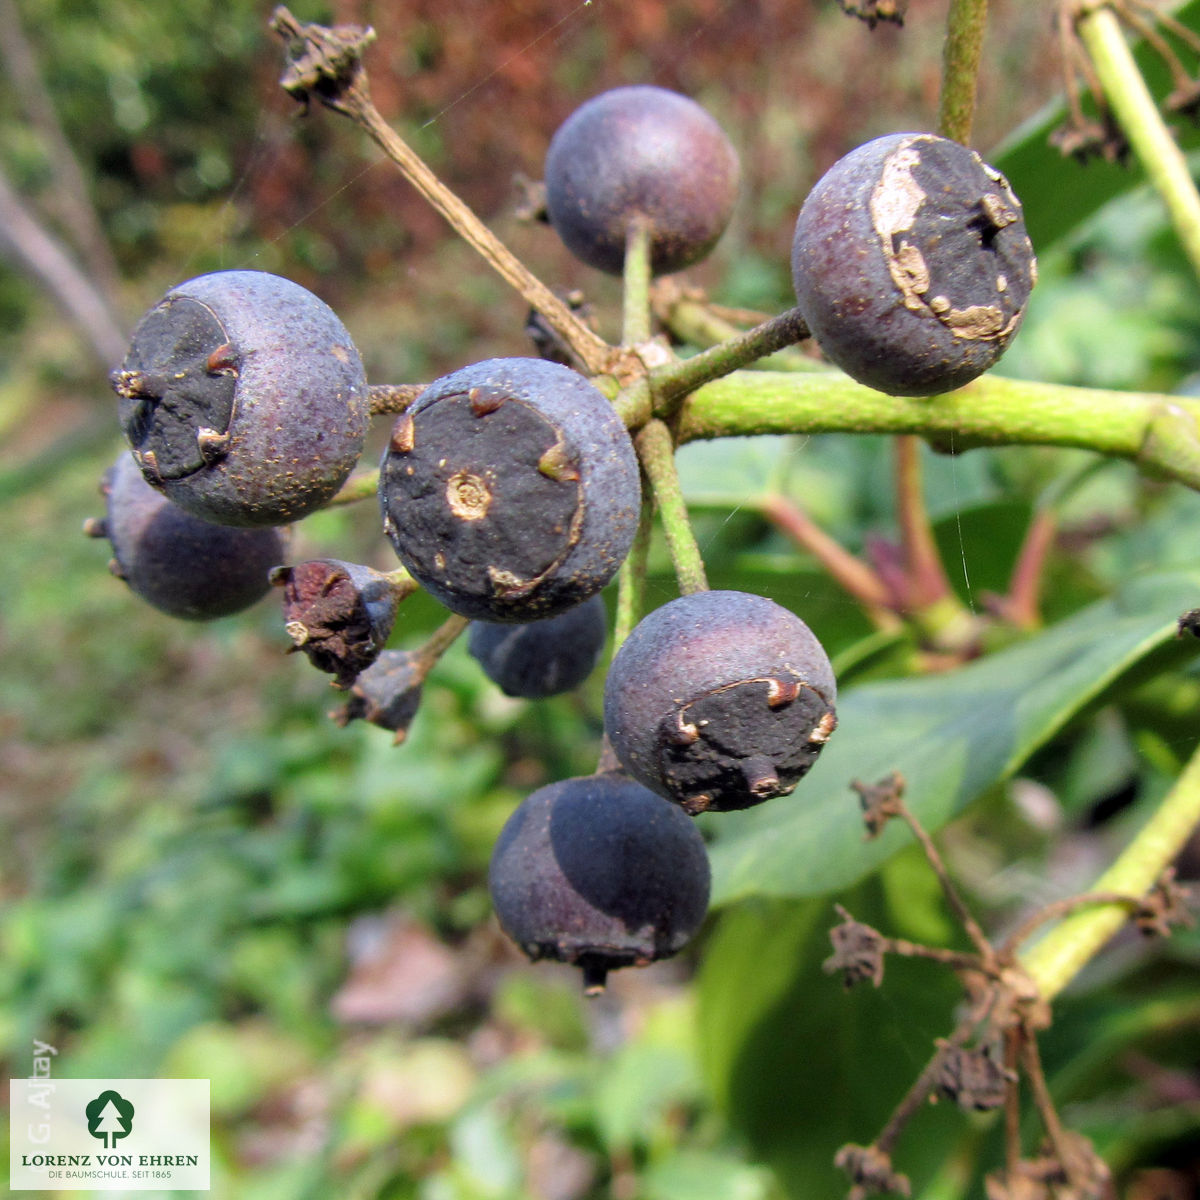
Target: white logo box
109	1135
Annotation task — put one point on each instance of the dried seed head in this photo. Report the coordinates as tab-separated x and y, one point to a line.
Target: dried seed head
340	614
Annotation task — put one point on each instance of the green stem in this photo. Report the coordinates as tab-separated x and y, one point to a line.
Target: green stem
960	68
1156	149
631	582
636	303
697	324
1054	961
1157	431
358	487
656	449
671	382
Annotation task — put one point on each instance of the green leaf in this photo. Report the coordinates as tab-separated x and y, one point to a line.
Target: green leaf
951	736
1060	194
696	1175
798	1065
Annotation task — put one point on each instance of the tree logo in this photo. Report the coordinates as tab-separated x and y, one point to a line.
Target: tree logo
109	1117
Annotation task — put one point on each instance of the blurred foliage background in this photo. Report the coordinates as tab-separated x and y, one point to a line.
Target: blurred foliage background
203	876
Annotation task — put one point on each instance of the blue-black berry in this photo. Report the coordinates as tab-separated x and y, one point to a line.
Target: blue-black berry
243	398
719	700
912	265
599	872
642	153
510	490
173	560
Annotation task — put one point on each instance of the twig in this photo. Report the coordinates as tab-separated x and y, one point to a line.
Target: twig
42	256
328	63
1156	149
70	198
387	398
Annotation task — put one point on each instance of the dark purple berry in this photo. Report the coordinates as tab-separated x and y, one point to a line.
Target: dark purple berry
640	153
182	565
243	398
387	693
598	872
510	490
541	658
719	701
340	614
911	264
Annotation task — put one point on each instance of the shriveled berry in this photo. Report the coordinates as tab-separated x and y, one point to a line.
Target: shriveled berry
510	490
339	614
640	153
541	658
387	693
719	700
912	265
598	872
180	564
243	398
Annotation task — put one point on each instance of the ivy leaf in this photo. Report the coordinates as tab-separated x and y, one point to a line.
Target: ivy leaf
951	736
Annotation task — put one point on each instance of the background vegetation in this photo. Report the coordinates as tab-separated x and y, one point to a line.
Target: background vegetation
202	876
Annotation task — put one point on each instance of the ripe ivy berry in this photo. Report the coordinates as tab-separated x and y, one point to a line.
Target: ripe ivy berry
912	265
243	398
510	490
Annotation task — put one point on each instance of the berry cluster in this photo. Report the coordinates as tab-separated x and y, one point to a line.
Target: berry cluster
511	491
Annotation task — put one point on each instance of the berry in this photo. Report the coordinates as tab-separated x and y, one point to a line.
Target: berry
243	398
180	564
541	658
510	490
719	701
640	152
598	872
387	693
911	264
340	614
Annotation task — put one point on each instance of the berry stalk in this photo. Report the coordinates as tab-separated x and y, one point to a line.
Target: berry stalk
656	449
636	311
960	68
668	384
